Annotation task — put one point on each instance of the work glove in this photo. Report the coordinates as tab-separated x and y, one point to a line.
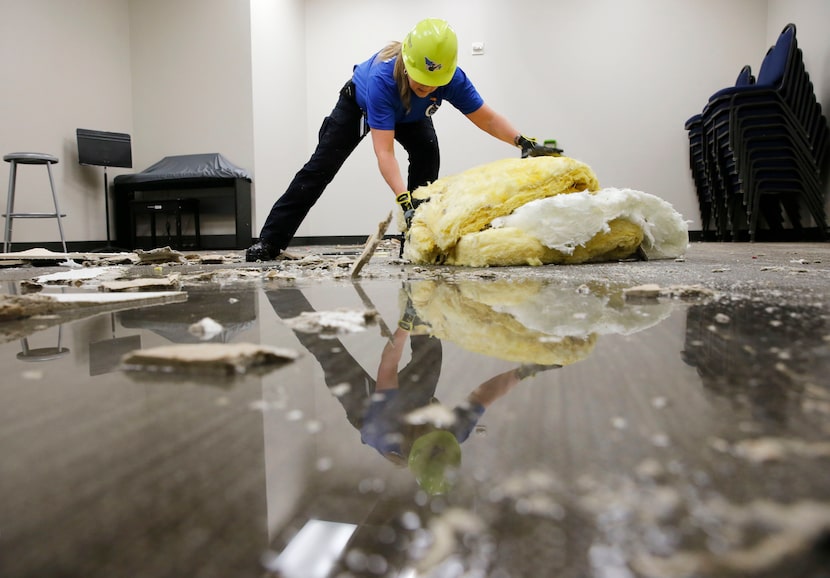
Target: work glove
409	319
408	204
531	148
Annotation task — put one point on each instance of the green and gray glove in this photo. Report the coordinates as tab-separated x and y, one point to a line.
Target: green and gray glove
531	148
408	204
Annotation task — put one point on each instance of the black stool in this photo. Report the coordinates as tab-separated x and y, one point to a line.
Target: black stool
29	159
175	207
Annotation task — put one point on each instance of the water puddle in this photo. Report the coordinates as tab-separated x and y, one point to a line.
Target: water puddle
473	425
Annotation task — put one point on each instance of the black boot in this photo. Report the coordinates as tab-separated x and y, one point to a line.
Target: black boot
261	251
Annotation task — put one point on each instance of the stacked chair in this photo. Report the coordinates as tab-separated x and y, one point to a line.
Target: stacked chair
757	151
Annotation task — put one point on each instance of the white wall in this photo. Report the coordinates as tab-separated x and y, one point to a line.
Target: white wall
66	65
191	71
279	104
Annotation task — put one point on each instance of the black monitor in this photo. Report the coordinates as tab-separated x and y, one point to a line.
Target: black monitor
104	149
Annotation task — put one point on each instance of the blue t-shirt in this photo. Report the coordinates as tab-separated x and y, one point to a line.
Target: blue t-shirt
377	95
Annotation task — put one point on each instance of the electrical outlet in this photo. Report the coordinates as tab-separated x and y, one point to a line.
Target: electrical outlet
478	48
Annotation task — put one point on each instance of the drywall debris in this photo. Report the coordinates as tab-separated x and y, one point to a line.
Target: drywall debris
22	315
14	307
170	282
77	277
40	255
205	329
21	306
371	245
160	255
446	531
223	276
226	359
688	291
653	291
435	413
332	322
647	291
218	259
769	449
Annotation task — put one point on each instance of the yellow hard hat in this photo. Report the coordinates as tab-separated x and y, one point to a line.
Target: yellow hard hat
430	52
434	460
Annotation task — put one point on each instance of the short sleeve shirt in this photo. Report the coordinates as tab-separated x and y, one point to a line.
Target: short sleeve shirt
377	95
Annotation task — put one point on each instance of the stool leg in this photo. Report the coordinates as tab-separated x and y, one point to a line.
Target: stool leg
57	208
7	237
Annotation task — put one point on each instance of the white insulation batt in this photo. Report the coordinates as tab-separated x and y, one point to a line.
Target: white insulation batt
537	211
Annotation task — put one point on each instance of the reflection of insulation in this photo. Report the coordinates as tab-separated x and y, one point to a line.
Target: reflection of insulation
477	327
527	321
536	211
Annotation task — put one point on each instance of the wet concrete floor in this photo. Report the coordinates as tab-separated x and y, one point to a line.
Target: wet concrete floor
516	422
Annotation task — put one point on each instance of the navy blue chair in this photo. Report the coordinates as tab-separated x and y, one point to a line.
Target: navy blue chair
763	147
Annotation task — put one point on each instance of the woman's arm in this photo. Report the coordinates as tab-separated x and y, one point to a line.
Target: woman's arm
494	124
383	142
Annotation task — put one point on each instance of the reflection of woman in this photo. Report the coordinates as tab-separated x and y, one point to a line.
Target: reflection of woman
419	378
431	452
379	408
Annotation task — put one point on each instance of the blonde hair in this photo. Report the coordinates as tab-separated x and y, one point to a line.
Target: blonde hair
393	50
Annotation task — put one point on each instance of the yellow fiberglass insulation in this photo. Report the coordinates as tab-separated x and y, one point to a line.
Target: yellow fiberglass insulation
537	211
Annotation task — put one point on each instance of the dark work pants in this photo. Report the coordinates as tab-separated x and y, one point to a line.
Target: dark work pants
339	135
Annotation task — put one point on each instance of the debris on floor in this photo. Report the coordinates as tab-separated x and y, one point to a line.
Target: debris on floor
160	255
538	211
222	276
222	359
167	283
371	245
13	307
40	255
77	277
205	329
332	322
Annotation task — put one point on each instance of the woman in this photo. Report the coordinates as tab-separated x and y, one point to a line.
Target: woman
393	95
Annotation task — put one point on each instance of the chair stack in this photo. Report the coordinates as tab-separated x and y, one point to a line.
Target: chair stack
757	151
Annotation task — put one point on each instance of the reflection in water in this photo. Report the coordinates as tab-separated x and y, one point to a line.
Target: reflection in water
613	457
630	523
529	321
233	309
751	353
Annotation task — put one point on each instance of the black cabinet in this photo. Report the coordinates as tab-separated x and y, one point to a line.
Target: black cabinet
224	208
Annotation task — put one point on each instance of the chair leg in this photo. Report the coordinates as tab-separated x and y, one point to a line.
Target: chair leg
57	208
7	236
